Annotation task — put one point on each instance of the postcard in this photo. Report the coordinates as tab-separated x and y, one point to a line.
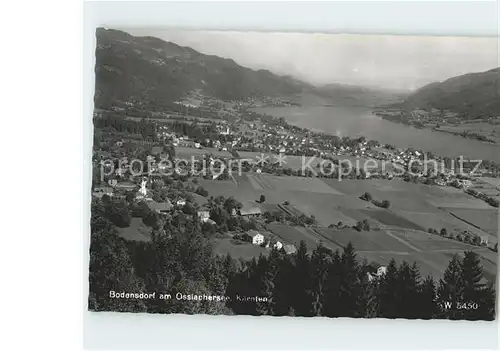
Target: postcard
295	174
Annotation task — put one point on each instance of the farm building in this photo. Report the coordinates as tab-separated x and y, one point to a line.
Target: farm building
248	211
159	207
125	186
257	238
273	209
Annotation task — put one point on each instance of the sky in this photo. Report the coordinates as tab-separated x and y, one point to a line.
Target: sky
384	61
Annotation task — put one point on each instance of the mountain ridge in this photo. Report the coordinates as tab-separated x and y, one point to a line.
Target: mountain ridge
471	95
147	68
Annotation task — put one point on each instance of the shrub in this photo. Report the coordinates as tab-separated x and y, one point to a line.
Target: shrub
366	196
386	204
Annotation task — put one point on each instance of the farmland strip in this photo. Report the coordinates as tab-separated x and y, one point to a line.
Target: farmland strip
402	241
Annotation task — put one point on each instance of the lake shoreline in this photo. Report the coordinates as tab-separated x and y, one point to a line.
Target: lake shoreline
356	121
438	129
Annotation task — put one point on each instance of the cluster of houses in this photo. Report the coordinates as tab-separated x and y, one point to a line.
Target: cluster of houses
257	238
120	189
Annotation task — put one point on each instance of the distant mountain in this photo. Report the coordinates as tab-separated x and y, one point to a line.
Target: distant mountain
472	95
148	68
352	95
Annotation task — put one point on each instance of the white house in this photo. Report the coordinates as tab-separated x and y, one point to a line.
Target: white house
203	215
381	271
278	245
181	202
257	238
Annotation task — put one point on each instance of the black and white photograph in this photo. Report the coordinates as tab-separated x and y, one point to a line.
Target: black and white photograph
294	174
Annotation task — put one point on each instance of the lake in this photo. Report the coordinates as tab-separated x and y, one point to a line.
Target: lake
356	121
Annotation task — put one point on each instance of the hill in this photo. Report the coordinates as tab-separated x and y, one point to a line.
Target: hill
149	69
473	95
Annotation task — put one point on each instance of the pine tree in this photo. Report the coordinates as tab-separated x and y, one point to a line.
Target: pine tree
351	302
450	290
426	300
332	288
320	260
408	281
476	297
267	273
282	299
301	300
388	292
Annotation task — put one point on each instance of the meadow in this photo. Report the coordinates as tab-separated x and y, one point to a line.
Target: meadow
183	152
486	219
238	249
391	219
294	235
377	240
399	233
137	231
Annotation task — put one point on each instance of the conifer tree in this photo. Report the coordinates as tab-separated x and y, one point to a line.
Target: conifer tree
388	291
332	289
350	294
268	268
477	298
301	301
282	299
320	260
407	291
426	301
450	290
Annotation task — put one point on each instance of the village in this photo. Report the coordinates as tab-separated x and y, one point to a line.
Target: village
229	174
485	129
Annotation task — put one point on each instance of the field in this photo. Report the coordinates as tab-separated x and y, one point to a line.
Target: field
287	183
357	216
294	235
137	231
238	249
402	230
487	219
431	253
491	131
188	152
451	197
289	161
494	182
364	241
391	219
439	219
426	242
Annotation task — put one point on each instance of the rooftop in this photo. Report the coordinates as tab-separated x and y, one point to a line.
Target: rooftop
159	206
